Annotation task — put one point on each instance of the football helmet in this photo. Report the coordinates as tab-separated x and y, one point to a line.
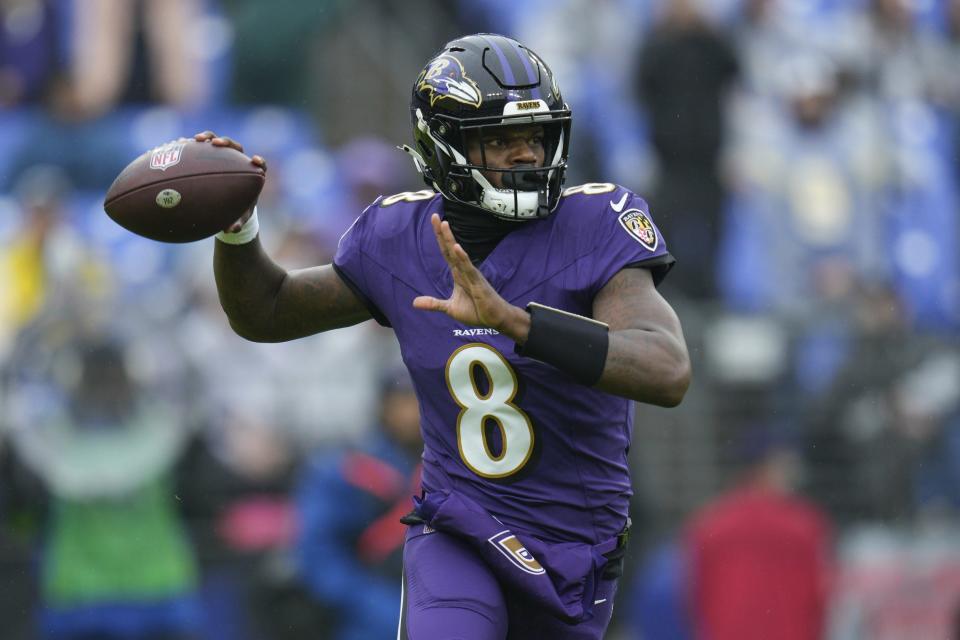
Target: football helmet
472	85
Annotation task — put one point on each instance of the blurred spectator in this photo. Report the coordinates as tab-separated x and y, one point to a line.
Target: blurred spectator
928	407
945	90
768	33
118	52
31	50
88	421
898	583
868	427
659	609
138	51
39	249
686	71
759	556
937	483
22	261
234	485
763	36
809	173
22	497
891	56
350	504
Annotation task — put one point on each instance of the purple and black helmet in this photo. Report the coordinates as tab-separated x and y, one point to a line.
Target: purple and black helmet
480	82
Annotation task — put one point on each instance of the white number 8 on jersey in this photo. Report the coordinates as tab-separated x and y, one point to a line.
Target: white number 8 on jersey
516	430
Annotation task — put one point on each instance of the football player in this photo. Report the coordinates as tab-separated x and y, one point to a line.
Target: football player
530	322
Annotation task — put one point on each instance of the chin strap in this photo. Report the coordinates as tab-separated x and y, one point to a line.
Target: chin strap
418	161
509	204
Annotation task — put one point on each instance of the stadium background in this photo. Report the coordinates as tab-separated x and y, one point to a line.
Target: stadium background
818	283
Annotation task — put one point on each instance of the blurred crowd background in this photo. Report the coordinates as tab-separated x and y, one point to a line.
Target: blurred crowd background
161	478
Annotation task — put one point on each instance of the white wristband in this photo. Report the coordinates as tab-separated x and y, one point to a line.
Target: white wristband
247	232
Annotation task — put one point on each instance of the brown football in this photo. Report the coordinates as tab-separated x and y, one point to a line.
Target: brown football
183	191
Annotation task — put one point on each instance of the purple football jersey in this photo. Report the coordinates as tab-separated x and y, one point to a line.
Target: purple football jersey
541	452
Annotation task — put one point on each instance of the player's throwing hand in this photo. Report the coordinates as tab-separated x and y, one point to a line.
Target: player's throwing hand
223	141
473	301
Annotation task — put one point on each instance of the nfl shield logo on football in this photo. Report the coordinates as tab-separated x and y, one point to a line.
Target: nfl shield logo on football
166	156
638	225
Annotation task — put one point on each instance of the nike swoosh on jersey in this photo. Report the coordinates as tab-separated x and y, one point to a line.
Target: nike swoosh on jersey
618	206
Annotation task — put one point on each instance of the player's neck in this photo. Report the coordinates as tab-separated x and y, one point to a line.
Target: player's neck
477	232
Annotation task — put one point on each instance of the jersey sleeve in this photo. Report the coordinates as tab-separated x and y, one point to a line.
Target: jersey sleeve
353	265
628	237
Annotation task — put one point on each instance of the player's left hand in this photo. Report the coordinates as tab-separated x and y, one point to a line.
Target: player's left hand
473	301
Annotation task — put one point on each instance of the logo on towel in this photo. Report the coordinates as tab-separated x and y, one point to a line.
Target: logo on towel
508	544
